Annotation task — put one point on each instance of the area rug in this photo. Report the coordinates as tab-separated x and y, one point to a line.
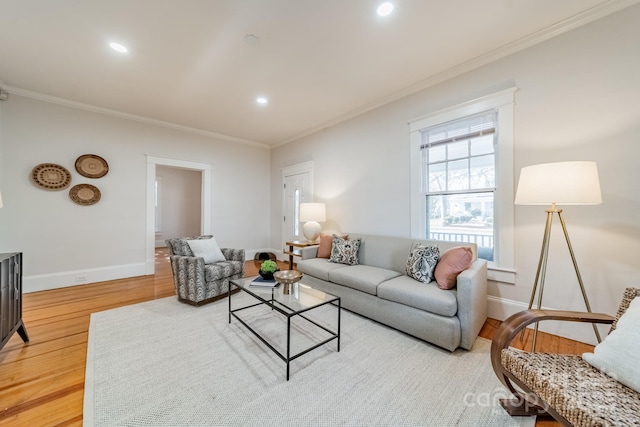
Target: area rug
165	363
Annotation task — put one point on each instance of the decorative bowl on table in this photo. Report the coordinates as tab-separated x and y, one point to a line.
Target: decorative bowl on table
287	277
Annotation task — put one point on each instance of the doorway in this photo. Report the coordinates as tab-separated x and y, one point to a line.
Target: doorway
205	205
297	187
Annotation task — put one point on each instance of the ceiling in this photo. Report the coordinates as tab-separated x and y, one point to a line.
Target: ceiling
317	61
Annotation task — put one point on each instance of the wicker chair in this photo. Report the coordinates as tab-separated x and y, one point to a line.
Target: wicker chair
563	386
198	283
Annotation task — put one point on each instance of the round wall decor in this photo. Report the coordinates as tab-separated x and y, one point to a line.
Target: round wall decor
92	166
85	194
51	176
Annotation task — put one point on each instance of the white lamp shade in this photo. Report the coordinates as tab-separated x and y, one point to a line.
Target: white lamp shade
313	212
0	200
563	183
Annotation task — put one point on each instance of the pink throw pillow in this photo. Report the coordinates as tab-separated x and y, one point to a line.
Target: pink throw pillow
326	240
451	263
324	249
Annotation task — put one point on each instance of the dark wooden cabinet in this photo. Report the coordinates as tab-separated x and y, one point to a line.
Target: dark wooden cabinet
11	297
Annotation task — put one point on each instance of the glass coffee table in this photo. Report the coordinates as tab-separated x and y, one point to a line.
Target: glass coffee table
296	303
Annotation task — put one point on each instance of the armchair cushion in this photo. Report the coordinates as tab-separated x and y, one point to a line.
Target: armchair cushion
223	269
617	355
207	249
180	245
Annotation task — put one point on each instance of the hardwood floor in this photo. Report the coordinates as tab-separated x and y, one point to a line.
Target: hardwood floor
42	382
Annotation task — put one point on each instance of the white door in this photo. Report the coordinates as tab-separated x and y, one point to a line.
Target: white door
296	190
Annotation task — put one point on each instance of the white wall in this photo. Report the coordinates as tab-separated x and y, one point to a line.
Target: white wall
577	100
66	244
180	203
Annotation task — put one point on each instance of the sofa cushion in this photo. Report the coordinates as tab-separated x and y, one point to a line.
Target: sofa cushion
384	252
362	277
452	262
345	251
422	261
221	270
424	296
318	267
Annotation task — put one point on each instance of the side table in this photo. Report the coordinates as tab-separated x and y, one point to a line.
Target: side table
297	252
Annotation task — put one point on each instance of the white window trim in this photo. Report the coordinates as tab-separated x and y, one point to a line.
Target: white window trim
502	269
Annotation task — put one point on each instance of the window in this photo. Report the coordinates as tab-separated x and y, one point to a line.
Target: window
462	178
458	169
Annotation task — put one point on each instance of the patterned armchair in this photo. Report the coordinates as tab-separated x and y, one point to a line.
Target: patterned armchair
199	283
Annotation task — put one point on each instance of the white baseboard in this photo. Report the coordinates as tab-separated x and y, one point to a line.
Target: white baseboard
501	308
43	282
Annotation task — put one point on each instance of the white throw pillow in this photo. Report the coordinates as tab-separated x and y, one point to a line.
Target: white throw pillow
617	354
207	249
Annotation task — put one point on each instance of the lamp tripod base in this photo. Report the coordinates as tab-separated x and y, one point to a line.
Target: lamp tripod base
542	270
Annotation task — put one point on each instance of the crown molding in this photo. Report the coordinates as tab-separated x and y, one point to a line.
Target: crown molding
586	17
120	114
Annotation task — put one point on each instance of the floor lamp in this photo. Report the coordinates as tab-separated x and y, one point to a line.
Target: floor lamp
564	183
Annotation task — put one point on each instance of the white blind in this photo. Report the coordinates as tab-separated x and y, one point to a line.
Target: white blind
458	130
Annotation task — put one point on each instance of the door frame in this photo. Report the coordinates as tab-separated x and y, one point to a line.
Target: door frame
206	204
299	168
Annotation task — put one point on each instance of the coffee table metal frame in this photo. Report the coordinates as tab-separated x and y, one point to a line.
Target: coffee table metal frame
281	307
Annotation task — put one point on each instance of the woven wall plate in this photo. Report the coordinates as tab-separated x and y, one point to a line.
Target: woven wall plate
51	176
85	194
92	166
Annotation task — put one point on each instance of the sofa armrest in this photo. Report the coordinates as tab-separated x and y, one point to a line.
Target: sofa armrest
233	254
309	252
472	301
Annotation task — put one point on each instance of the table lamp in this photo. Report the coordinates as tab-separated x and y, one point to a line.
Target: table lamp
0	200
563	183
311	214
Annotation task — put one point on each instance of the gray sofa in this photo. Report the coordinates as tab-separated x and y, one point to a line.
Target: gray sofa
379	288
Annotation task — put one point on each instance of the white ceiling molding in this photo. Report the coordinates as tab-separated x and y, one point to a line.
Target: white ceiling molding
550	32
123	115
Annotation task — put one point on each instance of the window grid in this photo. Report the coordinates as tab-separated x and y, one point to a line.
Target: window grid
458	161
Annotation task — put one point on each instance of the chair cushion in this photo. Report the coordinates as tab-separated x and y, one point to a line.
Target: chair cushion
618	354
362	277
179	245
424	296
576	390
220	270
208	249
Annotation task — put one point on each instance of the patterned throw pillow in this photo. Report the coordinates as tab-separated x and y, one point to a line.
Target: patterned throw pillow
345	251
422	262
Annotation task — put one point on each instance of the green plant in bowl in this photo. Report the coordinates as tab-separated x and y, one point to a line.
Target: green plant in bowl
269	266
267	269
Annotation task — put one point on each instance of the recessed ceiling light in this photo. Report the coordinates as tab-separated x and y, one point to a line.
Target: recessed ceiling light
385	9
262	100
118	47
